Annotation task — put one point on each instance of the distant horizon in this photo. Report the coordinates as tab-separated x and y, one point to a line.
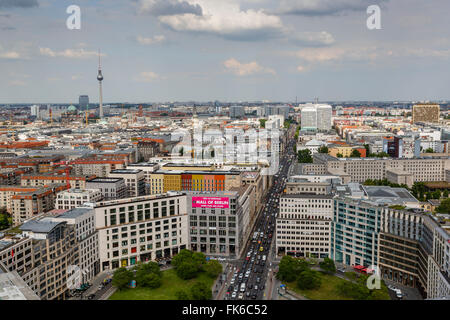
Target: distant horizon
233	50
203	103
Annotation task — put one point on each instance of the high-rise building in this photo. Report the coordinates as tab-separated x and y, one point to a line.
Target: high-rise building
309	118
83	102
425	113
34	109
237	112
316	117
324	117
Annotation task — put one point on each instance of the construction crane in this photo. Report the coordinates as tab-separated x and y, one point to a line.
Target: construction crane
67	171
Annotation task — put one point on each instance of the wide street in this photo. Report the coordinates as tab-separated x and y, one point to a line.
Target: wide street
255	269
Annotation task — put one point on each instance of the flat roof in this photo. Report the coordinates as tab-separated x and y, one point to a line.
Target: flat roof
74	213
126	171
307	196
39	226
104	180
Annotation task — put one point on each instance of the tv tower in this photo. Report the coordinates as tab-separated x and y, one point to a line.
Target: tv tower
100	79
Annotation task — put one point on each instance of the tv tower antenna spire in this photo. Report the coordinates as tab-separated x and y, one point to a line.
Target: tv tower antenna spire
100	79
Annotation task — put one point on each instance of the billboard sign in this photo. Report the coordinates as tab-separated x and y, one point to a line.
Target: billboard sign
210	202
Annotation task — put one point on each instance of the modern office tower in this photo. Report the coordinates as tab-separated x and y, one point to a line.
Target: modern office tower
316	117
324	117
237	112
83	102
83	221
134	179
219	222
309	118
393	146
303	225
140	229
355	229
111	188
75	198
425	113
34	110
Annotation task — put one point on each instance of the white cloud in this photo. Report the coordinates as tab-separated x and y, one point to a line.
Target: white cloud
226	19
245	69
324	7
10	55
301	69
18	83
322	38
152	40
69	53
147	76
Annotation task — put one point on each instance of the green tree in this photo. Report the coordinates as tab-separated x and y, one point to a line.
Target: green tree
444	207
181	295
143	270
328	265
199	259
445	194
151	280
122	278
340	155
323	149
183	255
187	270
304	156
429	150
355	154
213	268
200	291
289	268
262	122
309	280
436	194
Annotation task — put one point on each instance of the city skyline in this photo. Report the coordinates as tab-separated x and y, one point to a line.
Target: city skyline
200	50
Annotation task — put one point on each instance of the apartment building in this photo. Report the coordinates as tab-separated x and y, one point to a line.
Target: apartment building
97	167
41	256
176	180
220	222
83	221
303	186
303	225
110	188
12	286
134	180
398	249
425	113
147	167
140	229
24	202
75	198
76	181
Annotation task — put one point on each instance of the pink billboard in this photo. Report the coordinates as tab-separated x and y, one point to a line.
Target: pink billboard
210	202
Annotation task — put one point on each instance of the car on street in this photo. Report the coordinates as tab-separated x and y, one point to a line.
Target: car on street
241	296
233	295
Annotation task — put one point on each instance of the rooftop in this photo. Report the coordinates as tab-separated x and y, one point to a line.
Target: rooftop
39	226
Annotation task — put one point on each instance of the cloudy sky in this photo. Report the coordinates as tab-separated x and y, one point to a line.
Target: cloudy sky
227	50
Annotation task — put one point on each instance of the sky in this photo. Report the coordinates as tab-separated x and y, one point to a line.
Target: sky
226	50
